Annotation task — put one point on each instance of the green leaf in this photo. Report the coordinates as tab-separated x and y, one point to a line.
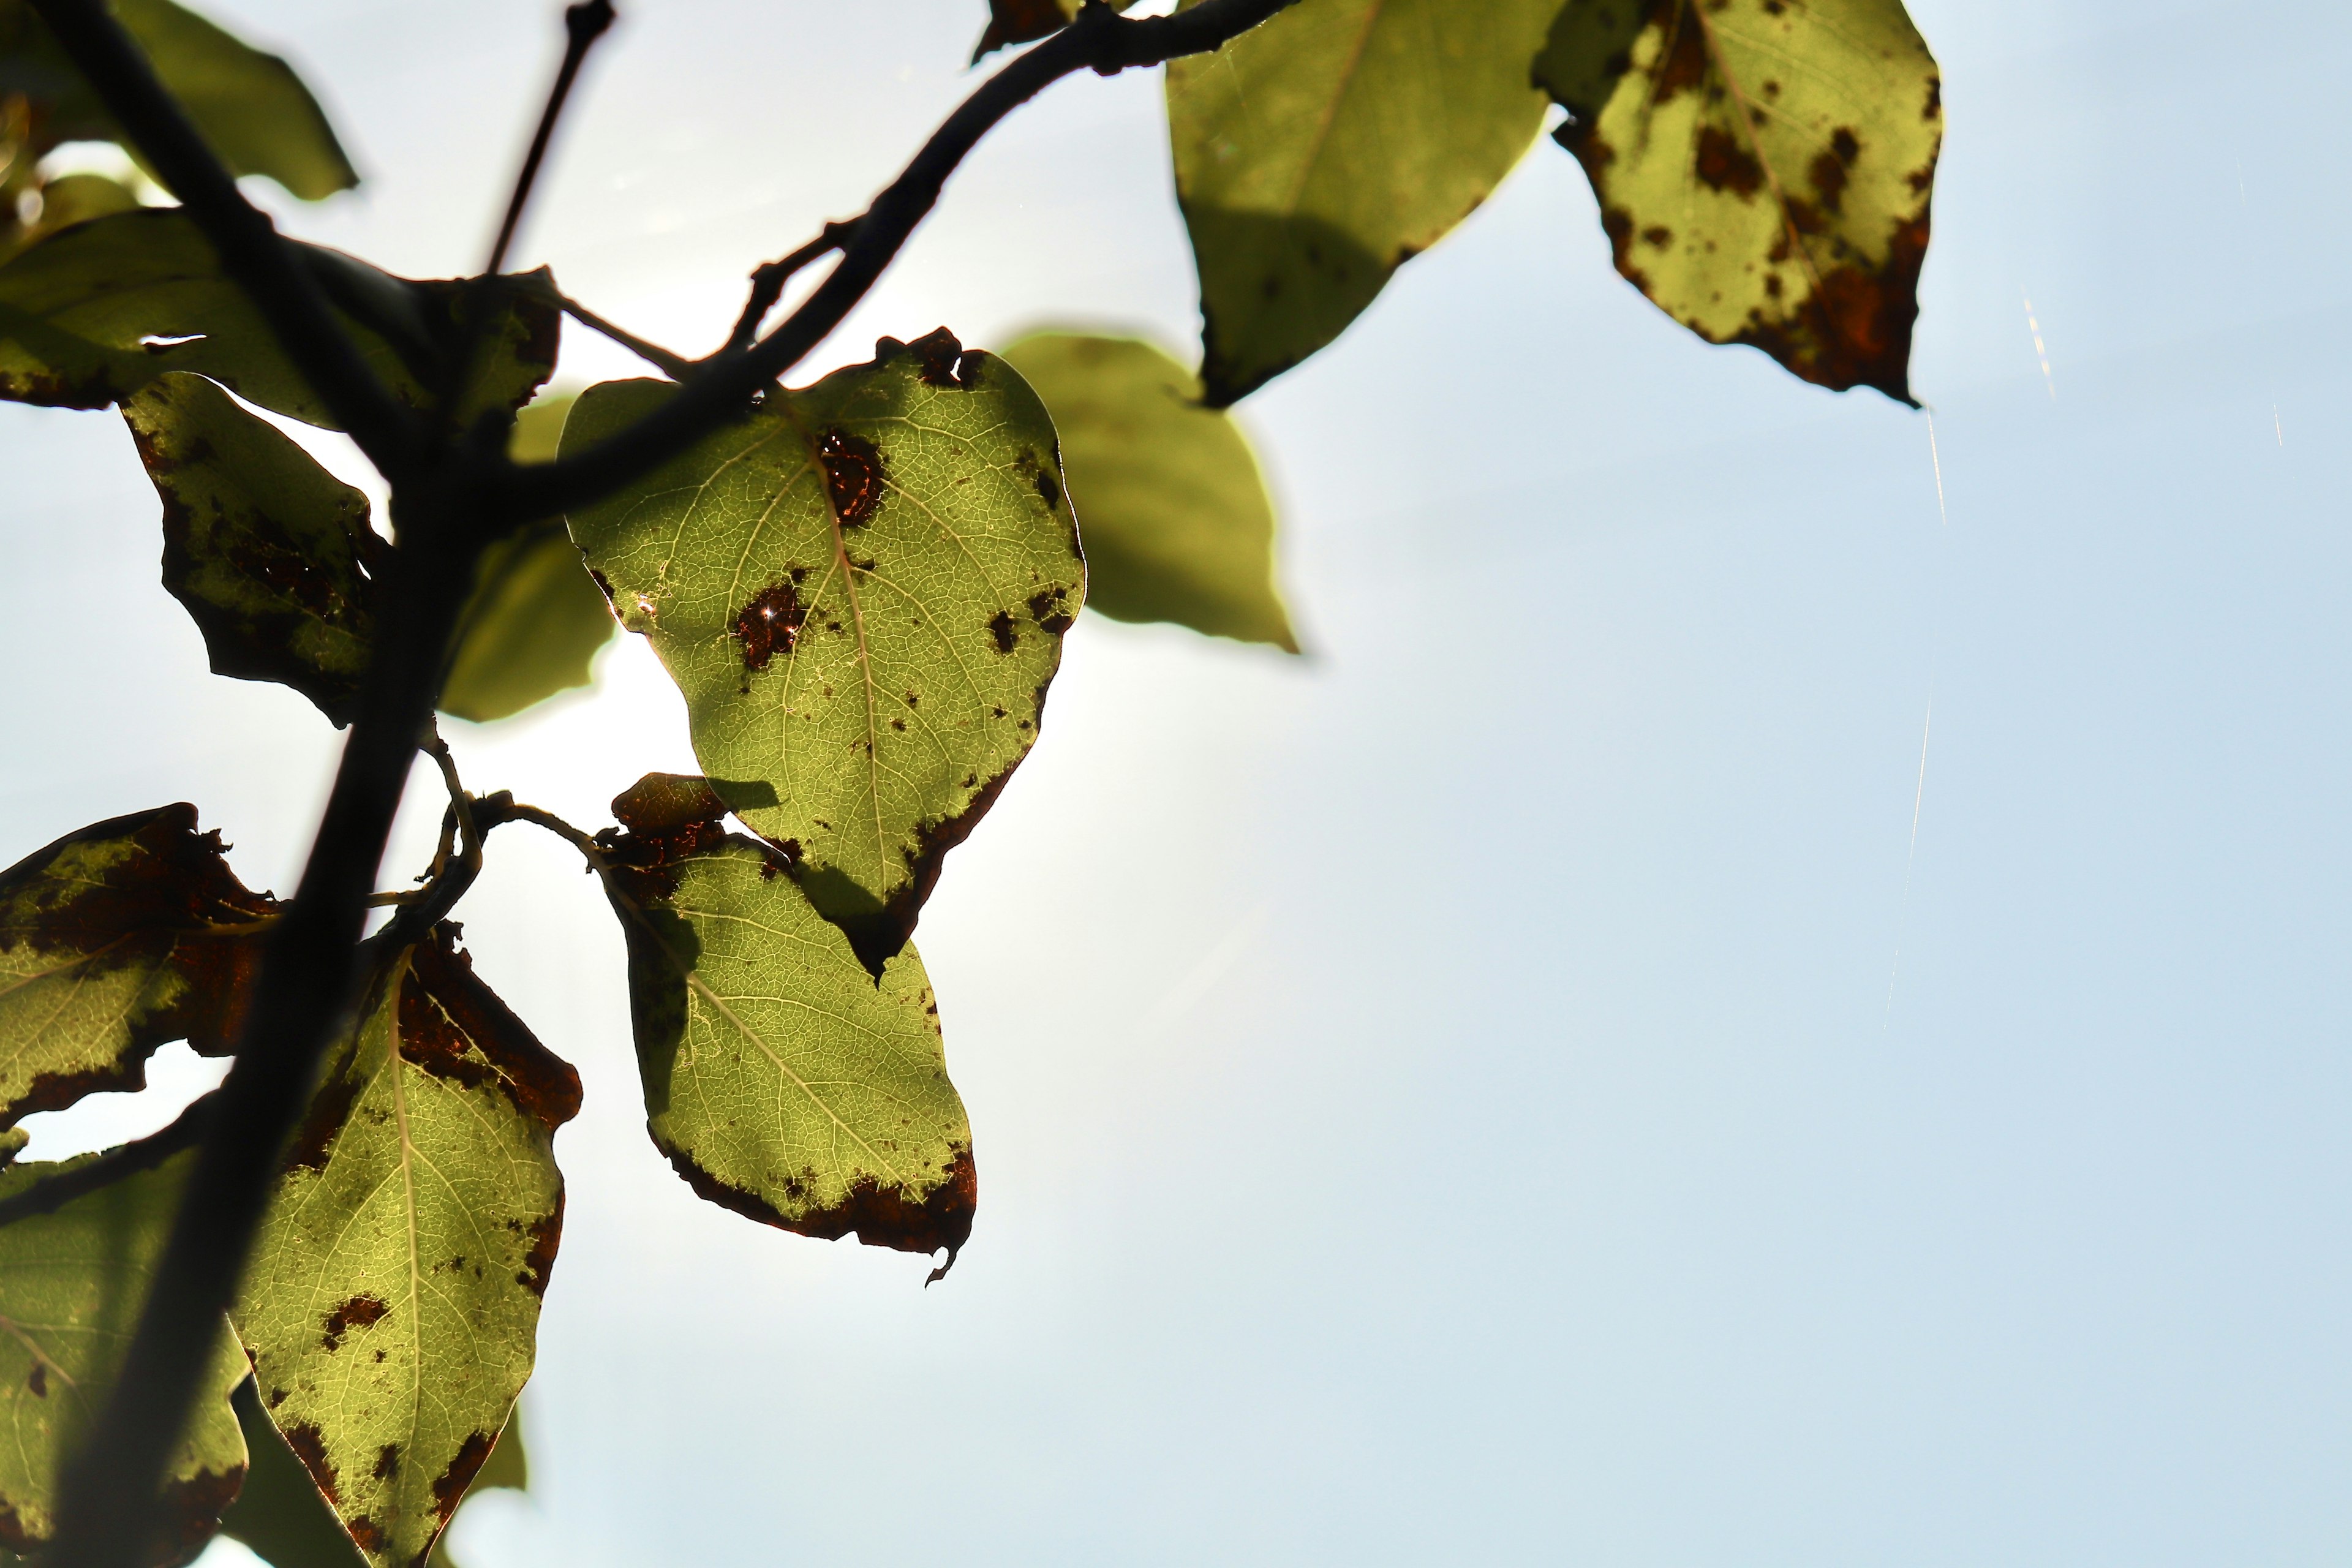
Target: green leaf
115	940
271	554
1174	514
1764	169
537	619
861	589
283	1518
72	1283
393	1301
1318	151
782	1080
79	198
90	316
250	106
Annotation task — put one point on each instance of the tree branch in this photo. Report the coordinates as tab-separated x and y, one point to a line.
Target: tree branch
768	281
1101	40
583	24
53	1192
678	367
289	299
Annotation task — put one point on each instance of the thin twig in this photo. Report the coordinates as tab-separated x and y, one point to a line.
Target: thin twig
251	252
768	281
53	1192
1101	40
583	24
678	367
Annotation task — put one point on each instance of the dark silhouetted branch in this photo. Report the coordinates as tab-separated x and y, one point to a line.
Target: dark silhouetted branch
768	281
678	367
583	24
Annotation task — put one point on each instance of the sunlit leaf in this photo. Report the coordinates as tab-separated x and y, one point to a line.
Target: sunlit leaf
1764	168
79	198
782	1080
1317	153
271	554
1174	514
536	618
113	941
91	315
861	589
72	1282
252	108
392	1302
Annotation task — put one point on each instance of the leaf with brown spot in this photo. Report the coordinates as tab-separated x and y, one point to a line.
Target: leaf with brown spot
782	1079
72	1283
804	570
113	941
271	555
422	1228
1764	168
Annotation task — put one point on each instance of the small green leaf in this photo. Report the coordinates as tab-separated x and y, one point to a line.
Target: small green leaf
115	940
79	198
1318	151
271	554
90	316
782	1080
392	1302
1764	169
861	588
72	1283
250	106
537	619
1172	508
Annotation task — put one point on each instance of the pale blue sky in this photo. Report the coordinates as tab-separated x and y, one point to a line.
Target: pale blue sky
1502	1089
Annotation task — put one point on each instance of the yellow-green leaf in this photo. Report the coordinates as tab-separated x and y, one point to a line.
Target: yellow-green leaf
861	589
91	315
392	1302
1317	153
72	1283
271	554
115	940
536	618
782	1080
1172	508
1764	168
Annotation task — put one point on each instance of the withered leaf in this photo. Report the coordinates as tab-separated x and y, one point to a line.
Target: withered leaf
72	1284
861	589
115	940
782	1080
393	1304
271	554
1764	168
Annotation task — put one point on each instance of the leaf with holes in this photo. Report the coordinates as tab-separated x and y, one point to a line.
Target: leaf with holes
253	110
271	554
536	619
782	1080
72	1282
861	588
115	940
1764	168
1172	508
392	1302
91	315
1319	151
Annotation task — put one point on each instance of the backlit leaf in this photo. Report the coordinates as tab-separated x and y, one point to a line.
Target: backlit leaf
91	315
115	940
1764	168
393	1303
536	619
250	106
782	1080
861	589
1173	513
72	1283
271	554
1318	151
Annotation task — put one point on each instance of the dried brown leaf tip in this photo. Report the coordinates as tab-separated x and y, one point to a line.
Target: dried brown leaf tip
456	1027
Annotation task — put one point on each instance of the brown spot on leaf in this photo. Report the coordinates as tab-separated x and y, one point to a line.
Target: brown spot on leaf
454	1027
1048	488
311	1446
938	356
1051	610
39	1380
388	1462
999	630
538	1263
853	475
1723	165
772	620
358	1312
881	1216
450	1487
